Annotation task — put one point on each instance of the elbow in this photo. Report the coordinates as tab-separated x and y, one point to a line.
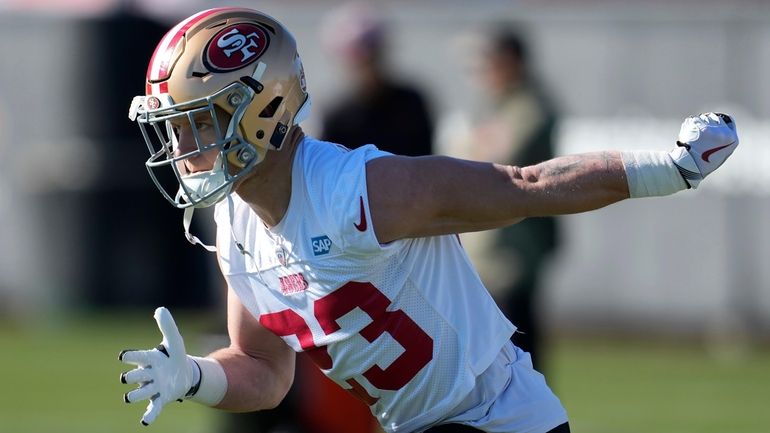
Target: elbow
281	380
280	391
270	404
258	398
529	174
530	185
255	383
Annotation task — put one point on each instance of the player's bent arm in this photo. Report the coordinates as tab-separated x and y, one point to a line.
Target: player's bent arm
259	366
414	197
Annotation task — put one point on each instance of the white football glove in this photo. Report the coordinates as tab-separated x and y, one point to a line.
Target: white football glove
164	374
705	141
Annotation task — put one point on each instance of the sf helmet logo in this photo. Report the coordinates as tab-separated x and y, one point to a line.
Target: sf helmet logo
153	103
235	47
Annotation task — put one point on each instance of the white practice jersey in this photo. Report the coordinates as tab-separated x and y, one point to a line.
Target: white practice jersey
406	326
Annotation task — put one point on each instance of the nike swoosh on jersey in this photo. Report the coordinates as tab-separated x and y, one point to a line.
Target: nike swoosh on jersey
707	154
361	226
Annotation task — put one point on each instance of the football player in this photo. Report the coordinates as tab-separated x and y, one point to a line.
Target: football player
353	256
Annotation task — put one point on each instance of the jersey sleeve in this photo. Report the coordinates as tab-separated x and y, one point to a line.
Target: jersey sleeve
338	186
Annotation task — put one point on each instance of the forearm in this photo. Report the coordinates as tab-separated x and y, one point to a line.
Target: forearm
253	383
568	184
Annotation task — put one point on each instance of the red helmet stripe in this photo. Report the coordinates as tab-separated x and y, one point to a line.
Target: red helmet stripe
159	63
156	88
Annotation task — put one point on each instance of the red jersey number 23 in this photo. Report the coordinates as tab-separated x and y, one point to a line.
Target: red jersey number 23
418	346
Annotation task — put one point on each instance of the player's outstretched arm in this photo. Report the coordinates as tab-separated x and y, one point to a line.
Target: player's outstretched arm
413	197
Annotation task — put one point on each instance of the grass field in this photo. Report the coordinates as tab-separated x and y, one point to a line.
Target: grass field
62	376
642	387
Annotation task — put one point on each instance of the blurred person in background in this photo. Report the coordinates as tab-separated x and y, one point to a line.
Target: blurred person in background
515	127
378	108
352	256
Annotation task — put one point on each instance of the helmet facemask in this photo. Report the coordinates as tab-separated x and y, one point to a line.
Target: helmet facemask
201	189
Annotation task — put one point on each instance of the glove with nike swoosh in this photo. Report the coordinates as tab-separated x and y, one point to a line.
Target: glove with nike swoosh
705	141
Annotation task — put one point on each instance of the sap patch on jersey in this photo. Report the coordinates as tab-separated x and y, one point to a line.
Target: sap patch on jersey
321	245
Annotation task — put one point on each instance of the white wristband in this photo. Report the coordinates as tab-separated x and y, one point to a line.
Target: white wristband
651	173
213	382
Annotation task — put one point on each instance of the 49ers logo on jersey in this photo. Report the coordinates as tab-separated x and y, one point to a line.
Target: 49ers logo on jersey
235	47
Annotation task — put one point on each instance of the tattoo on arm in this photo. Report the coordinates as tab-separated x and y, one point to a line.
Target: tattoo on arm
560	167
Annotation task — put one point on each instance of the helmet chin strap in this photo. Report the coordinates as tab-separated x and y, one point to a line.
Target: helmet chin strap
186	220
199	185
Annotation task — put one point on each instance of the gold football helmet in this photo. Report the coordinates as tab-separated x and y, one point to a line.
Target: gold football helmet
235	60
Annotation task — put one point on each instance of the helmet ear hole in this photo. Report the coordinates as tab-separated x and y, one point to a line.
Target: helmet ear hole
271	108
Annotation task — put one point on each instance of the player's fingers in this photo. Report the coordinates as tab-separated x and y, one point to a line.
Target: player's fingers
136	375
152	412
138	357
710	117
727	119
140	394
171	337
